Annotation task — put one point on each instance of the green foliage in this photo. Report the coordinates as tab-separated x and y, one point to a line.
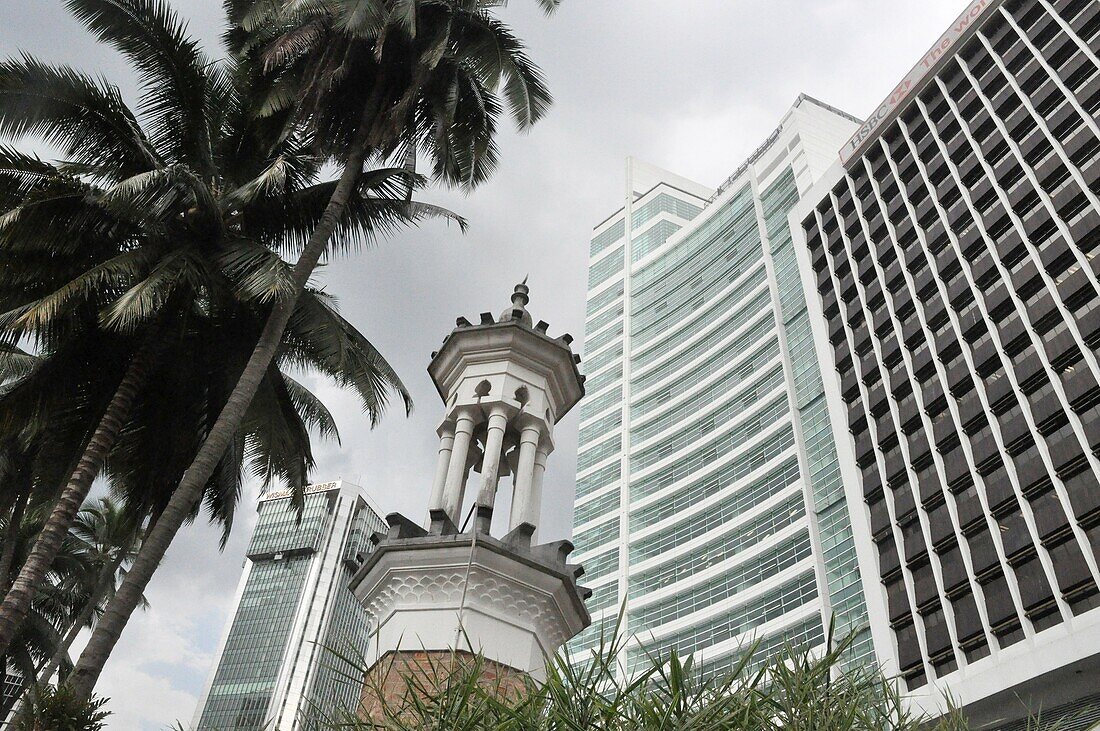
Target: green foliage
58	601
102	541
52	709
414	78
792	691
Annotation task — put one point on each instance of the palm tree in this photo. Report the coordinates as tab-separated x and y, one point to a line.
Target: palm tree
54	605
109	537
23	456
57	709
159	233
371	81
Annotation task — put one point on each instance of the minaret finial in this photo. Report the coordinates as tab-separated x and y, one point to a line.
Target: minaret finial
517	311
520	296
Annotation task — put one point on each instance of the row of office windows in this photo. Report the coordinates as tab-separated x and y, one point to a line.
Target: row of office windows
720	479
966	236
735	622
690	527
722	547
719	360
727	584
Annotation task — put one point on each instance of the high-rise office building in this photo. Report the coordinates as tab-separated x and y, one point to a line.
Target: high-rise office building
708	491
295	622
952	257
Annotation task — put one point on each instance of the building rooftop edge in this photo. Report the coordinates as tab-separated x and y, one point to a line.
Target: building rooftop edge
327	486
771	139
667	184
802	97
916	80
825	105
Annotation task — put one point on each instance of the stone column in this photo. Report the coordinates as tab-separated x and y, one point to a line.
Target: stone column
490	467
455	487
443	461
534	503
525	478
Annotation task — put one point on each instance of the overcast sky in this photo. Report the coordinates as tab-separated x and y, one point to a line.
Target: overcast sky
690	85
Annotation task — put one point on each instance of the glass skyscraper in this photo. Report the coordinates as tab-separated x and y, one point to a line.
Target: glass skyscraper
295	615
708	491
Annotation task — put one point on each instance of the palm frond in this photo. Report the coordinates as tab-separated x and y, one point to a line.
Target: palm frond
456	123
312	410
319	338
170	66
116	273
257	272
499	56
277	439
15	363
380	208
20	175
149	198
84	117
139	304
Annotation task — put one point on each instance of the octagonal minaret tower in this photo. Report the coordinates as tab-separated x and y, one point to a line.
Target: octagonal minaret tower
447	586
505	384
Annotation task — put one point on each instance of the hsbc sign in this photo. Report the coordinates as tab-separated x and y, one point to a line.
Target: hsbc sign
962	28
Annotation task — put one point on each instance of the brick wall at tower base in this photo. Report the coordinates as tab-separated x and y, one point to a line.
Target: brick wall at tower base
390	683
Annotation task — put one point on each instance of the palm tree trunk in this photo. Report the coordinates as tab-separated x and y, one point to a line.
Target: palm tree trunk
189	491
85	617
17	602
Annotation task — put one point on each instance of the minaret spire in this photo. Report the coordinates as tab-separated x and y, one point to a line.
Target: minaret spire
504	384
520	298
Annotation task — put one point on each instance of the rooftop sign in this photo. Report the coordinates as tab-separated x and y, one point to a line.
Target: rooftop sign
756	155
961	28
320	487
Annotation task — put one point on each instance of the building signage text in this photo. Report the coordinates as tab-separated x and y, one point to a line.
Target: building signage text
320	487
756	155
958	30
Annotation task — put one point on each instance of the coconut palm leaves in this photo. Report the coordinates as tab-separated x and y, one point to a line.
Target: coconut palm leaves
142	266
108	536
58	600
371	82
432	77
60	708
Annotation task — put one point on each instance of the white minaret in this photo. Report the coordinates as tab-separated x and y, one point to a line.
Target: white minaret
452	587
505	384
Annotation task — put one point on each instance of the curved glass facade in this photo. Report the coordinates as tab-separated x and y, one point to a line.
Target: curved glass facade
716	524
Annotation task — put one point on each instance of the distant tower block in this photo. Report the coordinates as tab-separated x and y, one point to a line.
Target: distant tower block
452	587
